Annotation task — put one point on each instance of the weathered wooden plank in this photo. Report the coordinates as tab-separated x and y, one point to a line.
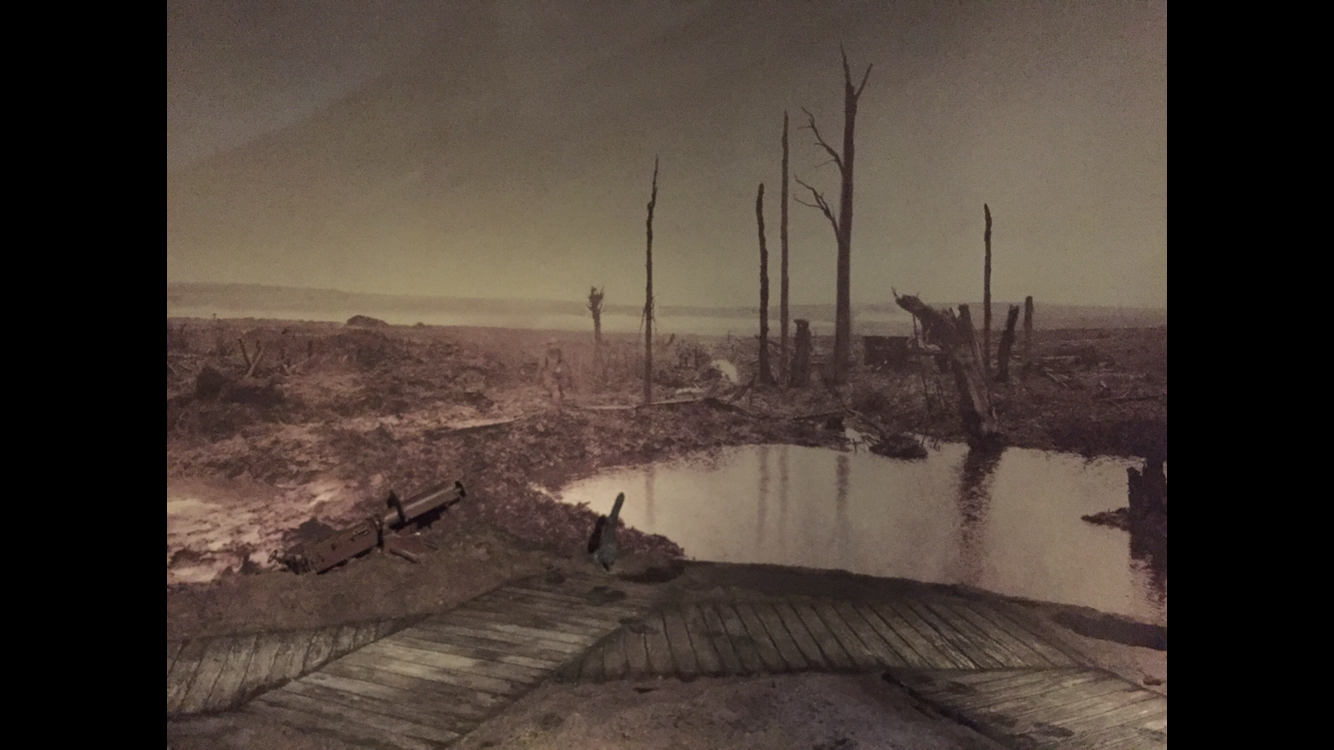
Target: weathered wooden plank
976	653
636	653
494	676
717	633
742	642
1007	611
226	688
764	644
623	606
543	606
917	650
1123	737
357	722
655	642
459	701
614	664
472	662
344	641
906	623
833	653
345	731
590	669
1021	690
173	648
710	662
1131	712
381	714
678	640
427	706
290	660
493	639
782	639
491	651
1024	652
321	646
412	668
519	614
261	664
210	667
1030	633
974	634
862	656
365	635
552	636
900	652
1081	703
183	672
599	594
1046	700
801	636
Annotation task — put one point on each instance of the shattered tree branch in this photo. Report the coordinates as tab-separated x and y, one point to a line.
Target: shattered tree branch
819	139
820	203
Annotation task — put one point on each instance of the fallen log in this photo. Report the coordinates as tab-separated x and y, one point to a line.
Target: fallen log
955	335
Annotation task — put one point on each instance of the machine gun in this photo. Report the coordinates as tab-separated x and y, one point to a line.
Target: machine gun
343	545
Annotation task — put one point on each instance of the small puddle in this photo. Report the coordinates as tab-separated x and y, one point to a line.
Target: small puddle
1008	523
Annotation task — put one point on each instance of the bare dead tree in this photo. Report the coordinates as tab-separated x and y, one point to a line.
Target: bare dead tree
1028	334
1006	344
782	284
595	307
843	224
766	376
986	295
648	294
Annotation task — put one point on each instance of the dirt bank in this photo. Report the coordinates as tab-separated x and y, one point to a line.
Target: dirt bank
295	424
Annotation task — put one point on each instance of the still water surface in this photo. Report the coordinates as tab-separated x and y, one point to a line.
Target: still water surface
1009	524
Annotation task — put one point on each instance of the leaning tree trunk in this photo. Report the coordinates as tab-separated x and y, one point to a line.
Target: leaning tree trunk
986	295
954	334
783	362
648	295
766	376
1006	344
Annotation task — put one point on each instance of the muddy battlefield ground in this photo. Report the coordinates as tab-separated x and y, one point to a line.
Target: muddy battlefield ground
278	431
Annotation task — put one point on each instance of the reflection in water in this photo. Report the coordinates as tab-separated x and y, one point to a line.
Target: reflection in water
1008	523
974	500
782	499
1147	500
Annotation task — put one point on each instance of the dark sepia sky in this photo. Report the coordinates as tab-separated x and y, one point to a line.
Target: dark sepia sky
503	148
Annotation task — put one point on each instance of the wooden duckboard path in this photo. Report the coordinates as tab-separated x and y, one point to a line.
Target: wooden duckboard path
435	680
206	675
1052	708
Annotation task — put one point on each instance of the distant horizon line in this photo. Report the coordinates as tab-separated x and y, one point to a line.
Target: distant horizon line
773	306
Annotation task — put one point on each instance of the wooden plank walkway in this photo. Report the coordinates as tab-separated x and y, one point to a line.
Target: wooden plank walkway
1045	708
206	675
433	681
425	683
799	635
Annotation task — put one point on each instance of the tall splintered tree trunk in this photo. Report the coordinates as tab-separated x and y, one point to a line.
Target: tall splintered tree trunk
595	307
986	295
1006	344
782	283
766	376
1028	334
843	224
648	293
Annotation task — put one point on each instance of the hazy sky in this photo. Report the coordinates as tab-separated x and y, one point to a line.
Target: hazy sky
504	148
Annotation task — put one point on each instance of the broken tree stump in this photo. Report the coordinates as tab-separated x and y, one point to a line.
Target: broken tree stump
801	359
954	334
1006	344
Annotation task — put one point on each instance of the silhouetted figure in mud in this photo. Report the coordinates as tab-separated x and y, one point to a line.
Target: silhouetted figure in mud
554	372
602	547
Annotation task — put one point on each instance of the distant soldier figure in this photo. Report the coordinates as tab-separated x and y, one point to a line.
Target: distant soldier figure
553	372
